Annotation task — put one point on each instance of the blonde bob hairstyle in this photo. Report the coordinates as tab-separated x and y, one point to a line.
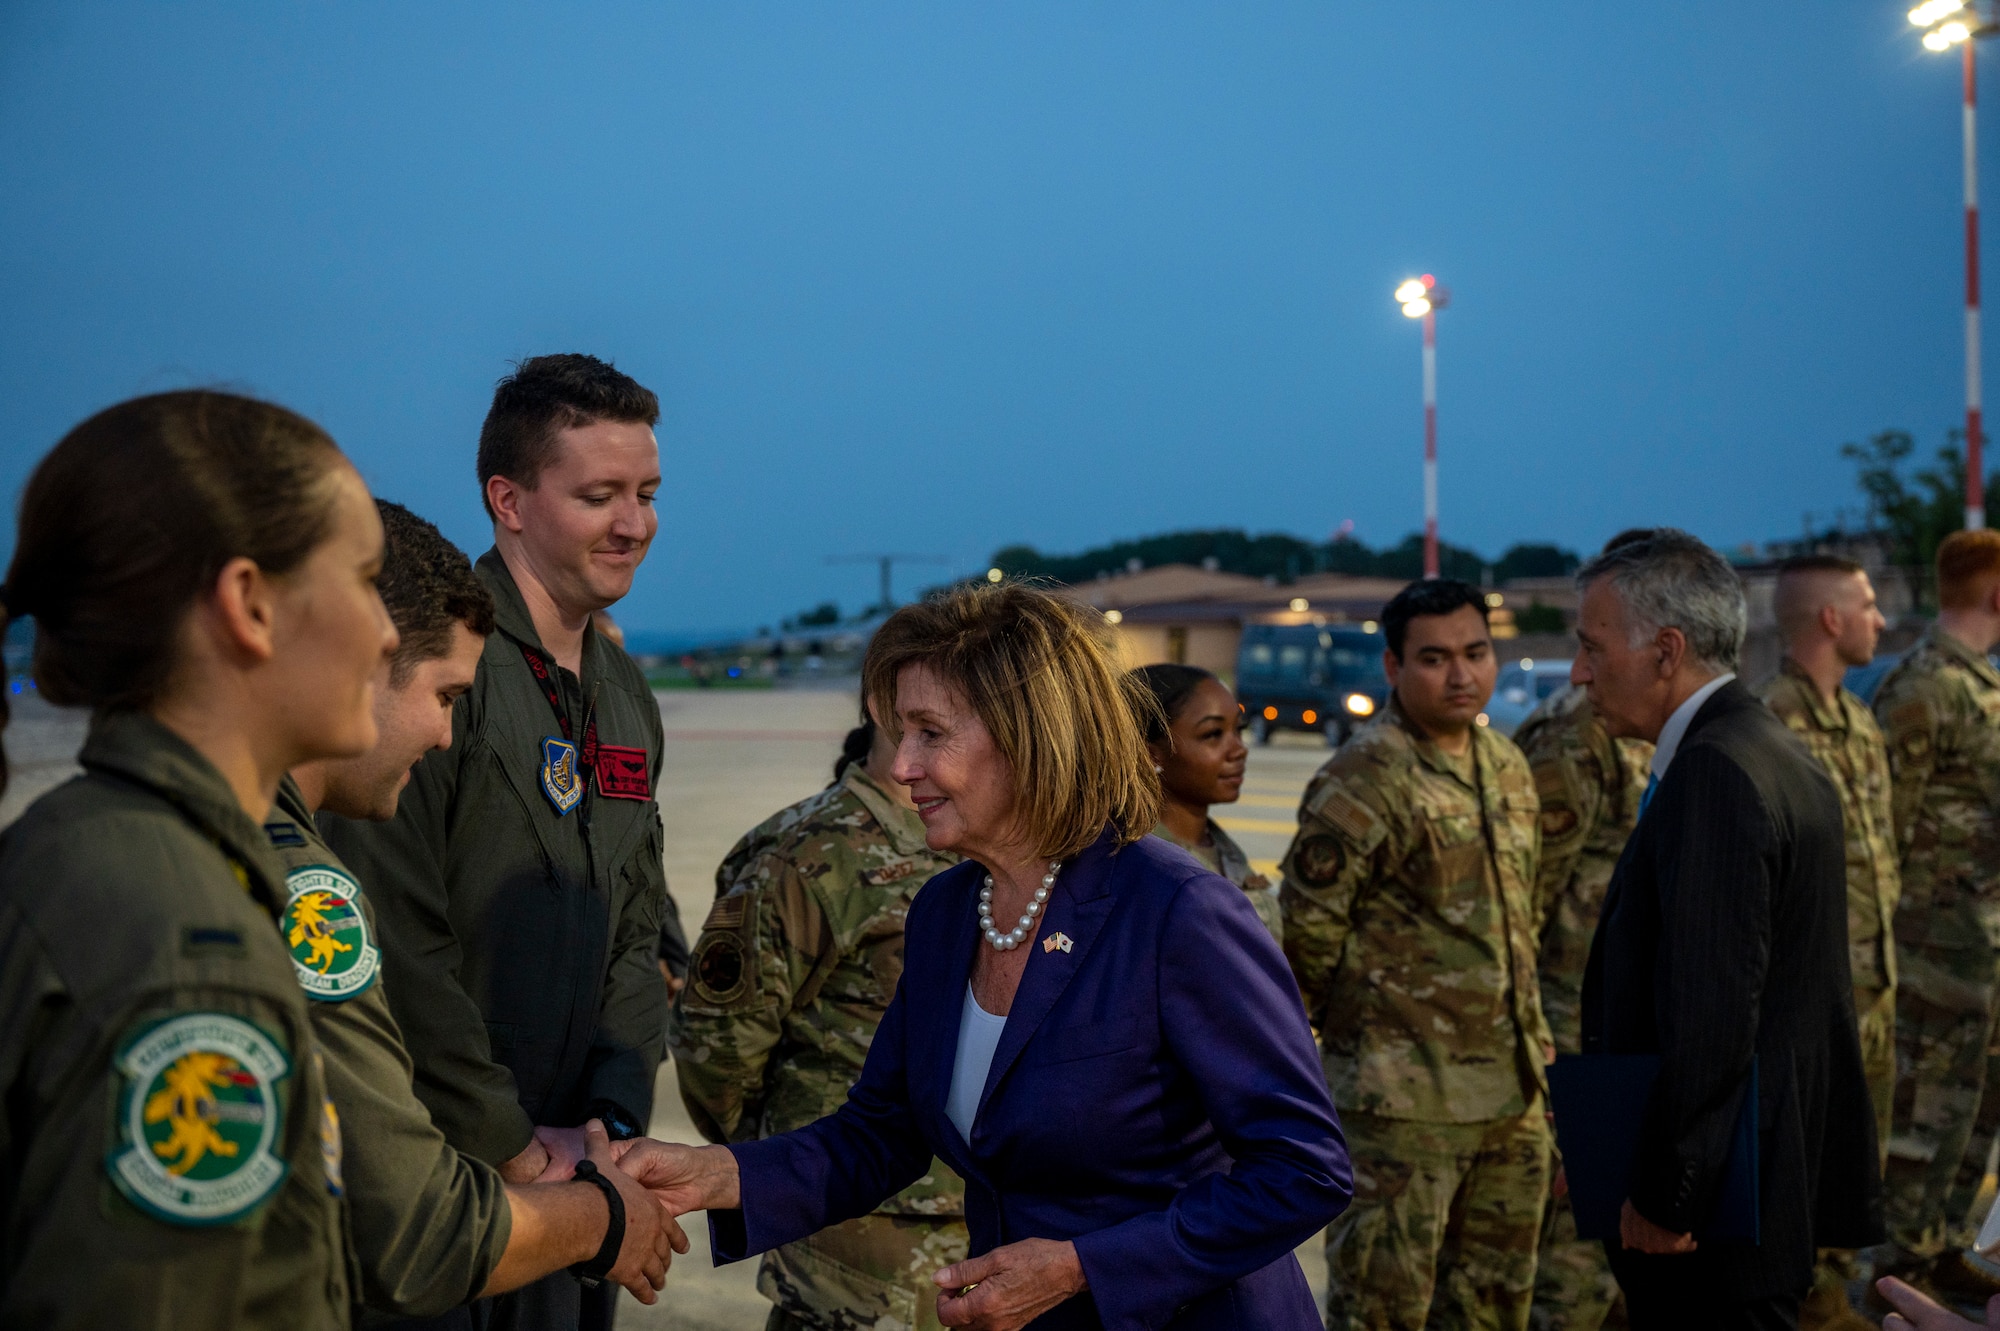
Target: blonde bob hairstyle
1039	672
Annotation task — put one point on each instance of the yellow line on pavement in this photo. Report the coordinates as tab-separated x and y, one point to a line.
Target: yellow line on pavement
1269	868
1257	825
1269	801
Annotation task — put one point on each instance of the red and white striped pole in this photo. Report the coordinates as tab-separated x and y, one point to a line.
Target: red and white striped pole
1975	483
1430	444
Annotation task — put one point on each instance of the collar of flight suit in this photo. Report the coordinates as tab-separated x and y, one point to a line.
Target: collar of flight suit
511	617
134	747
1976	662
902	826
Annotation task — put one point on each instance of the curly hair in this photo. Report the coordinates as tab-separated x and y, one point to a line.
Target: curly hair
428	586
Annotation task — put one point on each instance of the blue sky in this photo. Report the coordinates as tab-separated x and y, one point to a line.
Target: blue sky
938	278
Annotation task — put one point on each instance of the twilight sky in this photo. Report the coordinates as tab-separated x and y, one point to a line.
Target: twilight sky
938	278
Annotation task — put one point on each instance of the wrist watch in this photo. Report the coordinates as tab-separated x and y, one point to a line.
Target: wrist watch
618	1124
592	1272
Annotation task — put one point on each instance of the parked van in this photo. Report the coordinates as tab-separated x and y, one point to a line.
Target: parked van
1305	677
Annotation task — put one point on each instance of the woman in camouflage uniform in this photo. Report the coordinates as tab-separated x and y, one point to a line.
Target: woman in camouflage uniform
1197	745
794	968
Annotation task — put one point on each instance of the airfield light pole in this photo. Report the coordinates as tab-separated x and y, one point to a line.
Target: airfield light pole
1422	298
1955	23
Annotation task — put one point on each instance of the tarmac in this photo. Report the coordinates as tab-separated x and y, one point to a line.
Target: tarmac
733	757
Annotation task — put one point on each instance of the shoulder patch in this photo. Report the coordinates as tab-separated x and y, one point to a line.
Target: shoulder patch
1558	821
720	969
1319	859
328	935
198	1116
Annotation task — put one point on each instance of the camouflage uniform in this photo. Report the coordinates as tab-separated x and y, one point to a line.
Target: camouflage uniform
1940	712
1589	784
795	966
1222	855
1410	924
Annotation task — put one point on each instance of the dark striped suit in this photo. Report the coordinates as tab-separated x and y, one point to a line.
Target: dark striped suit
1723	939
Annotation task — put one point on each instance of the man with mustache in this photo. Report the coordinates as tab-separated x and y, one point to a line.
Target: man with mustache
1409	920
520	886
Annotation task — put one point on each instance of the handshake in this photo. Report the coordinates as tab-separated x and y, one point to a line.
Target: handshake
656	1181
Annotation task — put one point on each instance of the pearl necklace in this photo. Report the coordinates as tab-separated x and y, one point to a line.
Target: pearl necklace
1018	935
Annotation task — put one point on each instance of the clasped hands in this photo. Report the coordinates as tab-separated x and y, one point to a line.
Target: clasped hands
996	1291
652	1233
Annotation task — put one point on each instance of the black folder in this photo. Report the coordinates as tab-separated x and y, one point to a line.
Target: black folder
1599	1100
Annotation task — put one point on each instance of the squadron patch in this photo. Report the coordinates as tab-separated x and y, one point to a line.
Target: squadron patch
719	968
1319	859
1558	820
621	773
327	934
561	781
198	1114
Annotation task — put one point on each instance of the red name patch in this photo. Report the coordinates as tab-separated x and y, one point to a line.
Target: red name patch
621	773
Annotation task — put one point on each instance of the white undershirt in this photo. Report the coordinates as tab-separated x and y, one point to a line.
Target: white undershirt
978	1036
1676	728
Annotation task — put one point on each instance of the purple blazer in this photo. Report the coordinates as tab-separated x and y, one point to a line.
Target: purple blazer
1156	1097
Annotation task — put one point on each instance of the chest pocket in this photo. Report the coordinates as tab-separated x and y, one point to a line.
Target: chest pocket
1095	1039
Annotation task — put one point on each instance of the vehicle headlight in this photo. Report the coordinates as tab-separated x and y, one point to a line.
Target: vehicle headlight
1359	703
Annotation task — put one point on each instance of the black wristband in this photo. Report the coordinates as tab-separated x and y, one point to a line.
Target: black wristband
592	1272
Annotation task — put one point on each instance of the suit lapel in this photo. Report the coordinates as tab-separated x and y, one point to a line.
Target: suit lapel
940	1014
1077	908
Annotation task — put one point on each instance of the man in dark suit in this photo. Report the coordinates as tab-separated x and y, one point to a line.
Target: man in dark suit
1722	947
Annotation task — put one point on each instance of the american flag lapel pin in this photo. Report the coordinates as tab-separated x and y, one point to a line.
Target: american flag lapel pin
1057	941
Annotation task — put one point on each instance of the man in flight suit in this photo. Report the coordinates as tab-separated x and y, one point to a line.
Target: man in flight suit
521	886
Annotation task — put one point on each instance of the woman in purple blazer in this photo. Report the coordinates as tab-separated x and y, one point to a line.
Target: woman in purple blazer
1091	1028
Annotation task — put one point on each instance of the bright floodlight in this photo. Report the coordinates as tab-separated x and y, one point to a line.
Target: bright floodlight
1932	10
1417	308
1953	32
1411	290
1936	41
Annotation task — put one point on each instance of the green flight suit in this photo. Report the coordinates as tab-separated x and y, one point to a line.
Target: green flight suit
794	968
519	940
168	1158
428	1224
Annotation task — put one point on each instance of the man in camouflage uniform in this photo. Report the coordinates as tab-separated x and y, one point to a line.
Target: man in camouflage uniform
1940	713
794	968
1827	615
1409	911
1589	785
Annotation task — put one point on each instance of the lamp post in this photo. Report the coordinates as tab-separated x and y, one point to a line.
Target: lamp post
1955	23
1422	298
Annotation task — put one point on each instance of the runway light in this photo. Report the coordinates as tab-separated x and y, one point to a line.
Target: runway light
1418	308
1370	626
1270	713
1299	605
1114	616
1494	600
1359	703
994	575
1413	289
1311	717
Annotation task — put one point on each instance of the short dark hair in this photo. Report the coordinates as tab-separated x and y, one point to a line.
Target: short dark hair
1171	687
428	585
1819	564
544	396
1427	596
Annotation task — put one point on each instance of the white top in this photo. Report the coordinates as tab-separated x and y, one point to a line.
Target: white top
978	1036
1677	725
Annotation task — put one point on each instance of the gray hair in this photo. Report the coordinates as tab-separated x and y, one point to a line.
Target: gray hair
1669	579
